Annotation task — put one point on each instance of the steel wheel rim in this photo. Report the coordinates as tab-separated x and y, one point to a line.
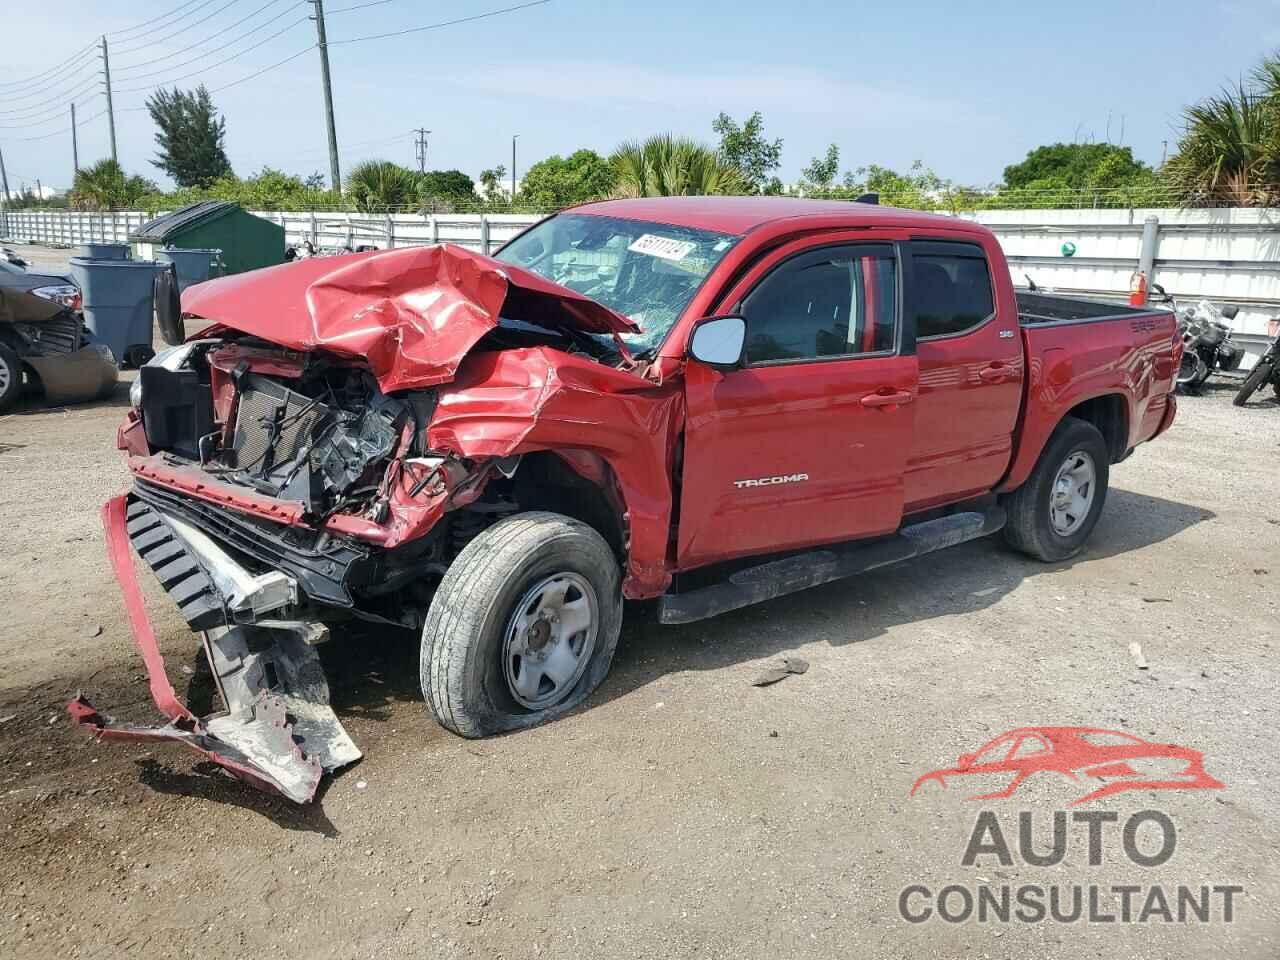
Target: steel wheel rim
6	376
1072	493
549	640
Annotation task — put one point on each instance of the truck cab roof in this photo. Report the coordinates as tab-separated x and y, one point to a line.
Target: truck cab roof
741	215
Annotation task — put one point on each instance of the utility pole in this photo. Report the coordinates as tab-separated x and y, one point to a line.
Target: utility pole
75	149
39	191
111	114
4	180
335	178
513	167
420	147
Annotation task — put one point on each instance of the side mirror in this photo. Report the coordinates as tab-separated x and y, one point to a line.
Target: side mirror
718	342
1160	292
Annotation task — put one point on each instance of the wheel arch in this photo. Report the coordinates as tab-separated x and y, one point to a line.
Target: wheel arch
1108	411
578	484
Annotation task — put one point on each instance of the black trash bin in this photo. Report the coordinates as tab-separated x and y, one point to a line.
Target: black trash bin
194	266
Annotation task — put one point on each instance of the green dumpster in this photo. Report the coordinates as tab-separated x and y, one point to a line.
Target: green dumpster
247	242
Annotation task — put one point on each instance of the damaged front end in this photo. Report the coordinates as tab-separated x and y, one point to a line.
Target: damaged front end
307	460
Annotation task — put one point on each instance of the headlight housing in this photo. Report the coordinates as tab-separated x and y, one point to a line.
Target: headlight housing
65	294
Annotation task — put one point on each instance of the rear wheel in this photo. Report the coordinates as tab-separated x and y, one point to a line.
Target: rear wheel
523	626
10	377
1053	513
1259	375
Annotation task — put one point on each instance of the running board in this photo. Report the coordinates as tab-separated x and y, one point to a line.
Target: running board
805	570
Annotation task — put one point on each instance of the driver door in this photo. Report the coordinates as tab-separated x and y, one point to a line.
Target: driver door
806	443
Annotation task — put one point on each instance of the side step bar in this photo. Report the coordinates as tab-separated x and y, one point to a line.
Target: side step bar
792	574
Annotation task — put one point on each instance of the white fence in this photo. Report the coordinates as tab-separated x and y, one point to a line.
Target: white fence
1229	255
482	232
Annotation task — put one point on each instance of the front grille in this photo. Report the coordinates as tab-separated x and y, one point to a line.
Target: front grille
273	424
57	336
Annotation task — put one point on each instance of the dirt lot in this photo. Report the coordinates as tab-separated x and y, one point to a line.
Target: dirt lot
683	812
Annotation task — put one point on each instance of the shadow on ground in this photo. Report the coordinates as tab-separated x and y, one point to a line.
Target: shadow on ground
371	669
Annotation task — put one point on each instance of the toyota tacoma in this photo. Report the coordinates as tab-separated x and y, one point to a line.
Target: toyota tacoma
704	402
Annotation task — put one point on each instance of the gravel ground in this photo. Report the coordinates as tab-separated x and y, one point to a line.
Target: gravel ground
682	812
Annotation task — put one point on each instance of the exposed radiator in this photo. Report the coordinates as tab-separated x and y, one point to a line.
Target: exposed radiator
273	424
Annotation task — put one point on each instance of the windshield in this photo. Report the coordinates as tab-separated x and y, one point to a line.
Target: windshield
645	271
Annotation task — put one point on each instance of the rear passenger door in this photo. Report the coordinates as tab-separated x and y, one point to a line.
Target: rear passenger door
806	443
971	374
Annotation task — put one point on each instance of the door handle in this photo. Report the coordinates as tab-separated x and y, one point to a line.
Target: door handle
885	399
994	373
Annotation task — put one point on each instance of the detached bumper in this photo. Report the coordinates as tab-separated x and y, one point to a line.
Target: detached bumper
278	732
74	377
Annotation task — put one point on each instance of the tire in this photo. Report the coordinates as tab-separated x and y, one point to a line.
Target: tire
471	664
1259	375
1033	522
1191	372
10	378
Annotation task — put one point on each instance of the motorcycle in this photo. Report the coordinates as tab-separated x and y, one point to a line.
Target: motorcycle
1206	340
1266	370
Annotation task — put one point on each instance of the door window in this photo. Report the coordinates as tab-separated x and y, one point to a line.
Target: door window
950	288
838	302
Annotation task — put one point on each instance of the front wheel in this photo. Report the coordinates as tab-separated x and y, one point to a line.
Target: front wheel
1259	375
1192	372
10	377
1052	514
523	626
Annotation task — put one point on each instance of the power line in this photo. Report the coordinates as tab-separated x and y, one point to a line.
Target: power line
176	53
42	92
46	116
57	133
443	23
196	23
35	109
163	16
359	6
236	56
45	75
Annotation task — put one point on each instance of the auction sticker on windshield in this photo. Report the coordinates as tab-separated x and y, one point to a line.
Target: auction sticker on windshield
664	248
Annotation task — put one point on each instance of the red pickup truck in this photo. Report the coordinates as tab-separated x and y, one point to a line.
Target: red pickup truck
707	402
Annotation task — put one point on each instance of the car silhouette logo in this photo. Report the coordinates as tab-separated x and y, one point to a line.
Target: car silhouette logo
1080	754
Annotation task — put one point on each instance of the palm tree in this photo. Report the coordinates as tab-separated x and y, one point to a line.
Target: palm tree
1230	152
104	186
669	166
376	186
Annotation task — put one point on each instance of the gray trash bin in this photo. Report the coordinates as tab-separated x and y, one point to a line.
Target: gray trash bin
119	302
105	251
194	266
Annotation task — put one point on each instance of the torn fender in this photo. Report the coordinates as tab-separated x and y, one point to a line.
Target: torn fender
278	733
410	314
518	401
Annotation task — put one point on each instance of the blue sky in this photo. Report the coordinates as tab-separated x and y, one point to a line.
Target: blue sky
965	87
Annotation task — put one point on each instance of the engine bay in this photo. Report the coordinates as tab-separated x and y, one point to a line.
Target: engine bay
292	426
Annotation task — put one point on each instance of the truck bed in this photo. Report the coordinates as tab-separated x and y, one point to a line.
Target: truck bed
1040	308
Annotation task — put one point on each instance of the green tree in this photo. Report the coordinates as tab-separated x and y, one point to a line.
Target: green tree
819	176
666	166
446	187
491	183
1230	150
105	186
563	181
1075	166
745	148
377	186
190	136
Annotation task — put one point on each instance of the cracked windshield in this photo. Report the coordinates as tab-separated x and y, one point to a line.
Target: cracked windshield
646	271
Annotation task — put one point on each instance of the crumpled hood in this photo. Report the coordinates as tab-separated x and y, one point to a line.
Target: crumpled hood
411	314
